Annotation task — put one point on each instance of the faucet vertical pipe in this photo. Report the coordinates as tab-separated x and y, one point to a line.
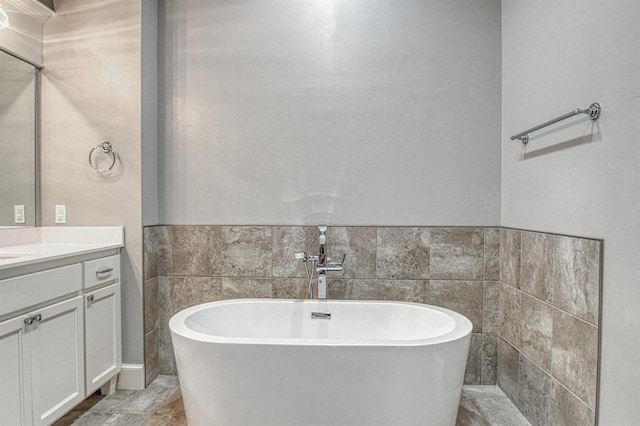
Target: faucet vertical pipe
322	258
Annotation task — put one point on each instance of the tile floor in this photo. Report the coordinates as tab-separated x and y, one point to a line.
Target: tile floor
161	405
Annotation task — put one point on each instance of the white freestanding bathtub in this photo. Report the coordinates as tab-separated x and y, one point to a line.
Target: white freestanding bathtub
268	362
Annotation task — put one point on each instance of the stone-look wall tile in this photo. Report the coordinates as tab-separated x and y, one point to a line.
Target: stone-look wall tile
399	290
473	371
251	262
289	288
534	388
195	250
536	272
574	355
457	253
510	314
402	253
576	275
246	251
245	288
190	291
510	257
165	305
341	289
359	244
536	330
286	241
508	369
567	410
150	252
464	297
164	251
489	359
166	360
492	254
151	354
491	307
150	305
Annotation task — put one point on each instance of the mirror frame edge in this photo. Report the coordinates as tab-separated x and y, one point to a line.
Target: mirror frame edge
37	131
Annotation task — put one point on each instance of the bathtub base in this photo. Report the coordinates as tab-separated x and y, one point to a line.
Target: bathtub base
283	385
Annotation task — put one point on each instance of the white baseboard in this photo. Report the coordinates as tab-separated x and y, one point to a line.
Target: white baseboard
131	377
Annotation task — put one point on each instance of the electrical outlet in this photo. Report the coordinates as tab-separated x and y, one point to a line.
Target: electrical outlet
61	214
18	214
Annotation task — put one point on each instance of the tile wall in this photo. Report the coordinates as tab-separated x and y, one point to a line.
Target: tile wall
457	268
549	305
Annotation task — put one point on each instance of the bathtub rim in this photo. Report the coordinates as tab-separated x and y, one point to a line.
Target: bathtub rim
463	326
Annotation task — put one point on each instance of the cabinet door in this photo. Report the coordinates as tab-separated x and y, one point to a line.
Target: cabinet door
57	360
102	336
14	377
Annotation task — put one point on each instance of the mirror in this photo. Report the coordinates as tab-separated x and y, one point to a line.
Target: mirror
18	88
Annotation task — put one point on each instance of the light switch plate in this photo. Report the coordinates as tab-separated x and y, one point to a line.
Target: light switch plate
18	214
61	214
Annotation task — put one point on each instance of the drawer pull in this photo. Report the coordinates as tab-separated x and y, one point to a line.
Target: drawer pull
104	271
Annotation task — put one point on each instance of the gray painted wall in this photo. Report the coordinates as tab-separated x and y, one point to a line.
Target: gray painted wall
346	112
91	92
149	112
580	178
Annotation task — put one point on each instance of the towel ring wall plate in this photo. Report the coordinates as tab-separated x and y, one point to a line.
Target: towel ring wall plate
105	148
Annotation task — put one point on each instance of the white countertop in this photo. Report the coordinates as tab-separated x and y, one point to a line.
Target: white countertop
30	246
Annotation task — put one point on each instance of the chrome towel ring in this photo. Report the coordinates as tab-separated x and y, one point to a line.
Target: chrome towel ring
107	149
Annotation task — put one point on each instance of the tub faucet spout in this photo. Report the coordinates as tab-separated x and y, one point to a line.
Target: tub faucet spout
322	259
324	263
320	264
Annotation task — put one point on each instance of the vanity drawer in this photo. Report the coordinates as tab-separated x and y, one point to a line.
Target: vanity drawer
100	271
32	289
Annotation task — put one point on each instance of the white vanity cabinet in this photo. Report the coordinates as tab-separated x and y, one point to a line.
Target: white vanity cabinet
102	321
55	341
14	377
102	336
59	339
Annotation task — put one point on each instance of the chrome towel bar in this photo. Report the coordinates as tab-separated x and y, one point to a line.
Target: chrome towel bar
593	111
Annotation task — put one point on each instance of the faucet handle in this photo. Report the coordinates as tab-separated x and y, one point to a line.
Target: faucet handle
332	266
300	255
344	256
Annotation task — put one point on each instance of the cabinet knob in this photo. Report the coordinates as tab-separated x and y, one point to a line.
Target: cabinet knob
31	319
90	298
